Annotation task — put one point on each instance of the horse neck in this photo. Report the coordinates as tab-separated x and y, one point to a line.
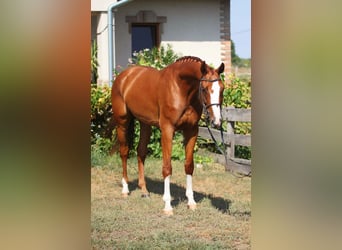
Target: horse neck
191	71
186	75
189	84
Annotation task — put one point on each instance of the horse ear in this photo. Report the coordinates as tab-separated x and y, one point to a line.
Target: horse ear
220	69
204	68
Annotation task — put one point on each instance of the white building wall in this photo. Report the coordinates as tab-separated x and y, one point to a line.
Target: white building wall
101	5
191	29
102	53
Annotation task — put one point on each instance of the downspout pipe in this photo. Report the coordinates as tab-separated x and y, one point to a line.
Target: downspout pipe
111	36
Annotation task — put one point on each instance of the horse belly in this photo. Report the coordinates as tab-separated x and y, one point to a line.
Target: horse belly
144	108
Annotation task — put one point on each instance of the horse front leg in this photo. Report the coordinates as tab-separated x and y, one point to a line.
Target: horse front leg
166	139
190	137
145	134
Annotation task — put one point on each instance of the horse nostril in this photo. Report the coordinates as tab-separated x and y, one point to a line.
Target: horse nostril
215	124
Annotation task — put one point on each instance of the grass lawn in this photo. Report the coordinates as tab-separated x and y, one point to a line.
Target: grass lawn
222	219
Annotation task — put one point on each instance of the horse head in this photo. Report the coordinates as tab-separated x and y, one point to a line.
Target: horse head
211	92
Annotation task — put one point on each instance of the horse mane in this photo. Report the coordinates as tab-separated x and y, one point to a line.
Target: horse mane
189	59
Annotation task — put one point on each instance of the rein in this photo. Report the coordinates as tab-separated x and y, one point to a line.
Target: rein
207	117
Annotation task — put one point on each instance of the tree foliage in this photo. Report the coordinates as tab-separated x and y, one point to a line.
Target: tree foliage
158	58
236	60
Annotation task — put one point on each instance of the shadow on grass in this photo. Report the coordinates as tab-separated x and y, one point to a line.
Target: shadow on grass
178	194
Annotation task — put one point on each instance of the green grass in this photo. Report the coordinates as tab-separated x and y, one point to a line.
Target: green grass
221	221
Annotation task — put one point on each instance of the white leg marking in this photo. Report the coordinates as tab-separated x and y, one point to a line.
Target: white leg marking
215	98
125	189
189	192
167	195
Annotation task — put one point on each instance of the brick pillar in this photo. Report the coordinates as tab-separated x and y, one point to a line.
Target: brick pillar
225	35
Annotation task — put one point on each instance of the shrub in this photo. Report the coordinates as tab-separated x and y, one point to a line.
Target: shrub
238	95
157	58
93	61
99	119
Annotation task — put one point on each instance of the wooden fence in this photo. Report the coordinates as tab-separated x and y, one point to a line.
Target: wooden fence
231	115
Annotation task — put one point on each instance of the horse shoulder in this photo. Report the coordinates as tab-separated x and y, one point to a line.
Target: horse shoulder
190	117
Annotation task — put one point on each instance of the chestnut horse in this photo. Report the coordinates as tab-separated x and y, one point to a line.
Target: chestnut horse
171	99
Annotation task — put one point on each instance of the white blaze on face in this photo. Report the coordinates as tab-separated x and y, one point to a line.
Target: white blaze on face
215	99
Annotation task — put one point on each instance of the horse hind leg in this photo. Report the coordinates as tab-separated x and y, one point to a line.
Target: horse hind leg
145	134
122	134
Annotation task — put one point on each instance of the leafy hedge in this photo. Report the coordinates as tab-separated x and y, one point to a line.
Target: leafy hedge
101	111
238	95
158	58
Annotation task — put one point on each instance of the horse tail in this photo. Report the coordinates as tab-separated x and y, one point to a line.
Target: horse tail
110	127
130	133
109	134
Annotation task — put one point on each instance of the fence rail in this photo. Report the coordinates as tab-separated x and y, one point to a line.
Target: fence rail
232	115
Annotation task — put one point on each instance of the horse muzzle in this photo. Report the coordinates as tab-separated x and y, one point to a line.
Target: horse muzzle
215	119
215	123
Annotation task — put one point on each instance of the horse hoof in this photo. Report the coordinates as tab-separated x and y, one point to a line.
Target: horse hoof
124	195
168	212
192	207
145	195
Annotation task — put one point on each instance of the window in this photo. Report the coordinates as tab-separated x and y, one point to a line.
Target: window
144	36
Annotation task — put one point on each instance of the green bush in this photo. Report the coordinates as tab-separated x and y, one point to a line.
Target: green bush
238	95
100	110
93	61
158	58
100	115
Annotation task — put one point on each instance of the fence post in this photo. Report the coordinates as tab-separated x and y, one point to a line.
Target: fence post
231	144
